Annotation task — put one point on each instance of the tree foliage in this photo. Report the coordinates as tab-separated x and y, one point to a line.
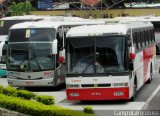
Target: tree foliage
20	8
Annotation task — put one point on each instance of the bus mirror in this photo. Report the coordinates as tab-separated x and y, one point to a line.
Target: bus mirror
157	50
62	56
129	42
132	54
54	47
61	59
131	66
6	42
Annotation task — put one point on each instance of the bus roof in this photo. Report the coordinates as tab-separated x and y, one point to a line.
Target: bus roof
108	20
62	18
25	17
142	18
56	24
96	30
43	18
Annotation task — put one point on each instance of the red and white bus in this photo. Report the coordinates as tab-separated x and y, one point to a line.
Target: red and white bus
109	62
155	20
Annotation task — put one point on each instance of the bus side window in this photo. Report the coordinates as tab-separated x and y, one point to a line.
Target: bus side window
149	36
60	41
152	36
134	41
146	36
143	39
138	39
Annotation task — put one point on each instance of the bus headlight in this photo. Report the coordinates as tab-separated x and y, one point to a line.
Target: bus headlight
119	84
118	93
47	77
11	77
72	86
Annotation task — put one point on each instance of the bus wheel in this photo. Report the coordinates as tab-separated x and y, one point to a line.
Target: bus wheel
134	92
151	74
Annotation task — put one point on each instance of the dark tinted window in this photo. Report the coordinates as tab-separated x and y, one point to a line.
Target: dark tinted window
156	26
6	24
23	35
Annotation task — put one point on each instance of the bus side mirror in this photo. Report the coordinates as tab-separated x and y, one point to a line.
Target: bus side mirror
131	66
157	50
132	54
54	47
129	43
61	58
6	42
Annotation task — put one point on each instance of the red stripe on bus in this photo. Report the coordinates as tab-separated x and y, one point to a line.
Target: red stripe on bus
98	94
148	53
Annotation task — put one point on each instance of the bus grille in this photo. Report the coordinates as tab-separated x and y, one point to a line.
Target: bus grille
29	79
95	85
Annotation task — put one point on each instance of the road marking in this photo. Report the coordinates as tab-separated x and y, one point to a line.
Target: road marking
150	98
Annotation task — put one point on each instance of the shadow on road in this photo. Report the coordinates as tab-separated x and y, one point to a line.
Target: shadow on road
44	89
103	102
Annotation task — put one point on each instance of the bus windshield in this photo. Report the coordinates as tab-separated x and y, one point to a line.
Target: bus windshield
157	30
97	55
31	52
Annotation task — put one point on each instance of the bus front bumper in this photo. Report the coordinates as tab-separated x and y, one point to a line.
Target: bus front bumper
98	94
31	83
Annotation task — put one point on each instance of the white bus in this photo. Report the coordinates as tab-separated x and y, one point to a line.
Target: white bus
5	24
36	52
109	62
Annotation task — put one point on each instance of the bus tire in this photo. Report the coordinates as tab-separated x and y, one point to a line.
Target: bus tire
134	91
151	74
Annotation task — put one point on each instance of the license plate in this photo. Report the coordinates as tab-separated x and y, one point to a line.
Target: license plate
29	83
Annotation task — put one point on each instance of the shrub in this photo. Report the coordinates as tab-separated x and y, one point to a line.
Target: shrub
10	91
47	100
35	108
1	89
25	94
88	110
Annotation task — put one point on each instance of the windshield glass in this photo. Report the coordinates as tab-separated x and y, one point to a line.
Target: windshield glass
17	55
40	58
96	55
30	57
156	30
33	52
6	24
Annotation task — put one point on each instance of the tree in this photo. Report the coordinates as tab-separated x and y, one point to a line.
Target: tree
21	8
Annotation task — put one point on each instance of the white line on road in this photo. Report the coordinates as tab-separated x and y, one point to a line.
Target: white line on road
150	98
